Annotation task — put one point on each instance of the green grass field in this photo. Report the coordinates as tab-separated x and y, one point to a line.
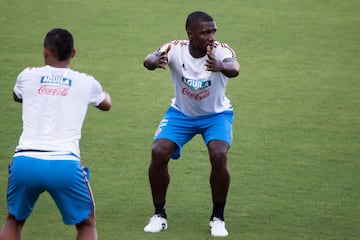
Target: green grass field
295	160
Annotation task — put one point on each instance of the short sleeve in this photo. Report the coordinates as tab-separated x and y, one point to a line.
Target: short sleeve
19	85
171	53
225	51
97	95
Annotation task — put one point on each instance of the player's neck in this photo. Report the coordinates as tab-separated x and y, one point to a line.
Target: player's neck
59	64
196	52
54	62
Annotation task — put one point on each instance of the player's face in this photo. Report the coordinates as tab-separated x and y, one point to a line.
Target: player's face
203	35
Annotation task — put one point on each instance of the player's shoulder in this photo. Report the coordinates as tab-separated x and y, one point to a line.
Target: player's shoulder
180	43
33	69
78	74
174	44
224	48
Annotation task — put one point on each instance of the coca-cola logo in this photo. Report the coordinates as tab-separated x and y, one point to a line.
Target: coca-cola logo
53	90
197	96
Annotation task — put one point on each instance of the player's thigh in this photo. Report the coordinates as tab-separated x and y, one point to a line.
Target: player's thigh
24	185
219	127
178	129
70	189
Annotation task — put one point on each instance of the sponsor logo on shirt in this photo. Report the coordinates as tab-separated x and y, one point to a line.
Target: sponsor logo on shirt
196	89
56	80
53	90
196	84
197	96
54	85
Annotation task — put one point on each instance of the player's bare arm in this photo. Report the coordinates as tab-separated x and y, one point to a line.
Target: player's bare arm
16	98
105	105
229	66
157	59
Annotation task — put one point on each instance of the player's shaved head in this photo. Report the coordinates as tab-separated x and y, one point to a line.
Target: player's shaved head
60	43
196	17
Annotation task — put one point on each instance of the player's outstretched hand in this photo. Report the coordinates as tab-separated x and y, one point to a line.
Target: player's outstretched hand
212	64
163	57
157	59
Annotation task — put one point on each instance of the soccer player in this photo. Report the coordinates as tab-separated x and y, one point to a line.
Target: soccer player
54	101
200	68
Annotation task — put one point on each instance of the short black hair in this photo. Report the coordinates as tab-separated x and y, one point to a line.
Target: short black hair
60	43
196	17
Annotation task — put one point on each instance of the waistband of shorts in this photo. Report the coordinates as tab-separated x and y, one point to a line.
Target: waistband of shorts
46	155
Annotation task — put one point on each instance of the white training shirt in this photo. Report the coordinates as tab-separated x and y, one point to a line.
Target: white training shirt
55	102
197	92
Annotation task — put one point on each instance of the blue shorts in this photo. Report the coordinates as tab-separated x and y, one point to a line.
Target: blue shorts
65	180
180	129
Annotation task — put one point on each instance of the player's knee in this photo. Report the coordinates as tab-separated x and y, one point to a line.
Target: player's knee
90	222
11	218
161	152
218	159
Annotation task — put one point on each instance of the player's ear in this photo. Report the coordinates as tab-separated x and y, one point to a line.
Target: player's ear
73	53
190	35
46	54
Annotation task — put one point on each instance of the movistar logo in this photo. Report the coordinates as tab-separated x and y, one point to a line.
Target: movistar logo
56	80
196	84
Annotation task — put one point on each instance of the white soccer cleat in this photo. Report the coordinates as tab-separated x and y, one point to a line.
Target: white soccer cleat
217	228
156	224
